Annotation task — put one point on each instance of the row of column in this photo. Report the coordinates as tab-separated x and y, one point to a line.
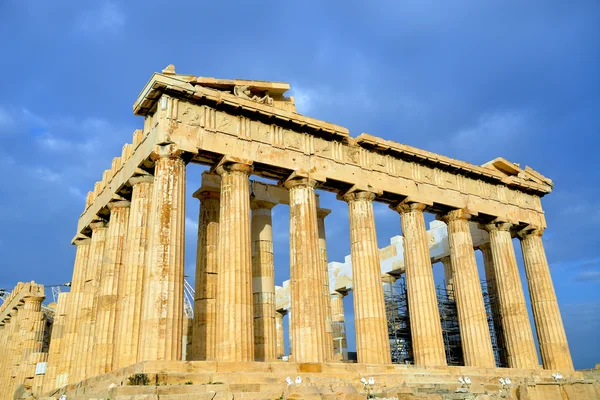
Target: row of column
22	341
126	299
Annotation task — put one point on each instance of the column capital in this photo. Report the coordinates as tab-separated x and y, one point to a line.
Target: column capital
445	260
358	195
33	299
234	167
338	295
118	204
404	207
98	225
484	246
323	212
261	204
82	241
203	194
454	215
166	151
388	278
497	226
527	232
134	180
292	183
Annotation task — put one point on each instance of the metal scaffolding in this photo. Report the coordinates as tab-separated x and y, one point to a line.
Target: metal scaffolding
398	317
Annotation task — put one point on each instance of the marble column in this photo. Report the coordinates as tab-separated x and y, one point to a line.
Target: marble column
10	354
85	324
263	281
308	319
57	342
490	279
235	331
448	276
372	339
5	329
280	351
321	214
338	322
472	317
546	314
205	301
131	277
425	326
102	357
32	329
518	337
73	334
161	326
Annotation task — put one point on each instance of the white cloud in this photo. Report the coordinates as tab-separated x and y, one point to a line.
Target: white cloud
108	18
45	174
76	192
191	227
6	120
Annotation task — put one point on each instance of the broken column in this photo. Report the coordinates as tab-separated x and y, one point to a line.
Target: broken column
372	340
161	326
308	319
338	322
280	351
425	327
448	276
235	332
546	314
516	328
472	318
263	281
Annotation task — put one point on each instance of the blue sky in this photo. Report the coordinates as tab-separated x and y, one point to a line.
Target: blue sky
471	80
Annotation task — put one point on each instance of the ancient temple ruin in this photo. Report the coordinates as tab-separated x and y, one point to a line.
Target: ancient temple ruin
120	330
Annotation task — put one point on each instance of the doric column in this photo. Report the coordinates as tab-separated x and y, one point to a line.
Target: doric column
520	347
5	329
161	326
263	281
235	331
85	324
425	326
448	276
11	354
490	279
57	342
548	322
338	322
472	318
73	319
31	336
280	352
205	301
321	214
102	356
372	340
131	276
308	319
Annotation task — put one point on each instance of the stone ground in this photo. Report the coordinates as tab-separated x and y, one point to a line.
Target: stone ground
254	381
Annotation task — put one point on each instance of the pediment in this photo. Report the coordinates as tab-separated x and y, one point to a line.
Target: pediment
508	168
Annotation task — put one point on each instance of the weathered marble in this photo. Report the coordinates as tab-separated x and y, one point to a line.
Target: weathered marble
321	214
340	342
372	340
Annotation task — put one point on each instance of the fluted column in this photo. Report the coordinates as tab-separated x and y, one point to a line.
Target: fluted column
280	351
372	340
448	276
520	347
235	331
338	322
205	301
57	342
472	318
490	279
263	281
68	358
11	354
131	277
161	326
308	319
31	336
109	284
425	326
89	301
546	314
321	214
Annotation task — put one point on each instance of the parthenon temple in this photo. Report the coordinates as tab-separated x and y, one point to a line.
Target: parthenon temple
121	332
